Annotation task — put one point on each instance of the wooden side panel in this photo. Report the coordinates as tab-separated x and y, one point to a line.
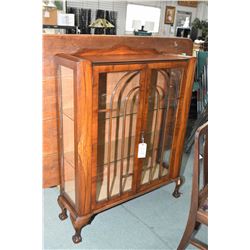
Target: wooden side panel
54	44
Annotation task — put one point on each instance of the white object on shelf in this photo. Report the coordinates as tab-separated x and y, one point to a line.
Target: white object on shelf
65	19
186	23
149	26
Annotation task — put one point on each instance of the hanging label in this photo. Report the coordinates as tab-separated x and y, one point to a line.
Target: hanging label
46	14
142	149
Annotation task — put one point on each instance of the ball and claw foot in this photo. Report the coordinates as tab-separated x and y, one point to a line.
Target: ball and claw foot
63	215
176	192
76	238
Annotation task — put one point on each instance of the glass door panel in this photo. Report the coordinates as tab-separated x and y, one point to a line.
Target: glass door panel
118	102
162	105
67	130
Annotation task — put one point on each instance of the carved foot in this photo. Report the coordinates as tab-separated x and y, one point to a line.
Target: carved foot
77	238
79	223
176	192
63	215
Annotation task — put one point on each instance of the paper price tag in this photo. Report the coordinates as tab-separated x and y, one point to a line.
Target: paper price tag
142	149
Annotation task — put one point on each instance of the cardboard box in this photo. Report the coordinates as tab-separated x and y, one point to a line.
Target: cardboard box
65	19
50	16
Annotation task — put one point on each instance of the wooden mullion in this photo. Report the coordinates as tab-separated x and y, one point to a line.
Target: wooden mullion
95	100
139	126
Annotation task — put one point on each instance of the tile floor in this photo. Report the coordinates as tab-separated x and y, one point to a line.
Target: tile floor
153	221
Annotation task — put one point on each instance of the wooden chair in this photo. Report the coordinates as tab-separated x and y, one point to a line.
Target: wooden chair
198	213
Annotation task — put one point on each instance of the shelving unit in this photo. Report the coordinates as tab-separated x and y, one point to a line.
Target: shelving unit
109	103
46	26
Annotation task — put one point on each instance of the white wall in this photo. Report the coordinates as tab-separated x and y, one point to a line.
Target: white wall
120	6
202	11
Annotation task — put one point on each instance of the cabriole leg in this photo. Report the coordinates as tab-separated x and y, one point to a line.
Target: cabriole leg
63	215
78	224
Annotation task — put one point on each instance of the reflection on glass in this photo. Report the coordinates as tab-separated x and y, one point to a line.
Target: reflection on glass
162	106
118	95
67	120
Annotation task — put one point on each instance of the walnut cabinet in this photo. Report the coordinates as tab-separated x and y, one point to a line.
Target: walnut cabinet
122	121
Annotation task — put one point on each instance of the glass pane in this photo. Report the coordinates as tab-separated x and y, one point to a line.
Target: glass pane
67	120
162	105
118	98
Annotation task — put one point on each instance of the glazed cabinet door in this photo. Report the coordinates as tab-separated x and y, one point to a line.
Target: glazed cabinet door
160	115
117	111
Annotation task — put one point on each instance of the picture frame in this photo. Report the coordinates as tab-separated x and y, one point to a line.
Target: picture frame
181	17
169	15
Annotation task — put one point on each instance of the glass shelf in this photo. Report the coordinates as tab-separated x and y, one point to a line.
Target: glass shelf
119	113
69	112
70	158
115	147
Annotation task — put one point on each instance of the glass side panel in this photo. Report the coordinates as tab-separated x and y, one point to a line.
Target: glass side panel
67	121
118	101
162	105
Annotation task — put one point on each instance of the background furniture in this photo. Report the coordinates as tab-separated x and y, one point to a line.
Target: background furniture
54	44
199	201
188	3
122	122
61	28
82	20
200	90
182	32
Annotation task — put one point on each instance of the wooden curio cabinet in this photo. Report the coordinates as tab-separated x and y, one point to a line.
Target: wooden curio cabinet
109	103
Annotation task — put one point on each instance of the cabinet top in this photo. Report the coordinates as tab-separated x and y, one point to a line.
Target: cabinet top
133	58
121	54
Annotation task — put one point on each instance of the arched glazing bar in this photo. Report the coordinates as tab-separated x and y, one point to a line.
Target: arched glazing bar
114	92
134	91
159	93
